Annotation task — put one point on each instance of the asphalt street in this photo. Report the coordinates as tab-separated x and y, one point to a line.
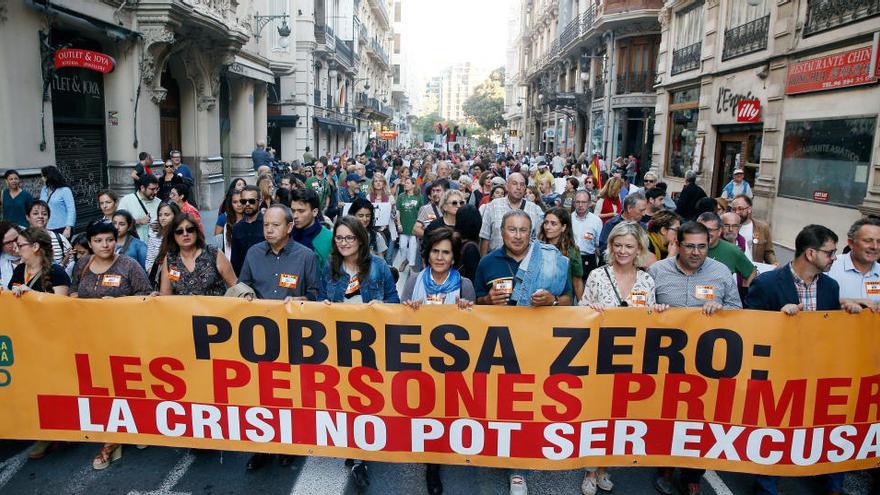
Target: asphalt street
170	471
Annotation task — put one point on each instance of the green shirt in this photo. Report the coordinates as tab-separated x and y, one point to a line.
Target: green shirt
321	187
734	259
321	245
408	208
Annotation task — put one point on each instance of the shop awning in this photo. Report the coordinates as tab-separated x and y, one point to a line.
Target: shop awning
283	120
334	124
246	68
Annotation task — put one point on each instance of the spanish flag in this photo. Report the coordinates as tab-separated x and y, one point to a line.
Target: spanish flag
595	171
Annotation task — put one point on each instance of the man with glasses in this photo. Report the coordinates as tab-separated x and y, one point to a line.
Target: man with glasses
279	268
490	232
759	243
802	286
181	169
727	253
691	280
249	230
143	205
586	227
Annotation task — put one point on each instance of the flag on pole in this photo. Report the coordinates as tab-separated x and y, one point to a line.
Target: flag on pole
595	171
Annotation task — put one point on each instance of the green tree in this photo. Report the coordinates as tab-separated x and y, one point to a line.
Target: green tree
486	104
424	125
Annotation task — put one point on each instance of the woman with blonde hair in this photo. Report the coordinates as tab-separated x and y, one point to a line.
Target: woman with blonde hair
267	190
608	205
380	192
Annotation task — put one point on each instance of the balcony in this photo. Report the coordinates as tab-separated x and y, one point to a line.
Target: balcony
362	32
379	52
324	36
317	98
687	58
747	38
381	12
823	15
599	87
635	82
344	53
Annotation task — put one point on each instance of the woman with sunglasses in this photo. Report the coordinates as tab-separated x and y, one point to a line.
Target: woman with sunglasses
102	275
180	194
450	202
167	180
127	241
191	267
108	202
36	272
557	230
355	276
38	214
165	214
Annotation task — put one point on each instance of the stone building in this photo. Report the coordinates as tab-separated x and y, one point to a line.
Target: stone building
583	76
782	89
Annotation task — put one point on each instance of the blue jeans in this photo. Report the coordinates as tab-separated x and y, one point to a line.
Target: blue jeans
767	484
391	252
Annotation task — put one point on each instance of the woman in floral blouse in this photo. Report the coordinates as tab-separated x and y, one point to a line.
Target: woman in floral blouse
191	267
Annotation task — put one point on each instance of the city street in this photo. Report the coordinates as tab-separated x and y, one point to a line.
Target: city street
167	471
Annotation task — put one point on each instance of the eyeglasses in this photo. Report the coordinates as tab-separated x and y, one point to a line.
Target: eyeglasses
9	242
456	203
831	253
695	247
188	230
345	239
23	244
649	181
249	201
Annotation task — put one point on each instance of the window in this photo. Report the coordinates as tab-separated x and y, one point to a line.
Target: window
688	38
683	116
747	28
396	43
827	161
397	13
395	70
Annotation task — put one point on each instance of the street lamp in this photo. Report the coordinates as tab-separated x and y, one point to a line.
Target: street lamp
260	22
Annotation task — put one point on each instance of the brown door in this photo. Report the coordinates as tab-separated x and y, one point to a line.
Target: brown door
739	150
169	116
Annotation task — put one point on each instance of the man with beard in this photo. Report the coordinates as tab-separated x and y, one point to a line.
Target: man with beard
249	230
759	243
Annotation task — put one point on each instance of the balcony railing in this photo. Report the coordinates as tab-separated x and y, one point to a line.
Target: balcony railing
344	52
324	36
687	58
571	32
828	14
635	82
747	38
317	98
380	52
599	87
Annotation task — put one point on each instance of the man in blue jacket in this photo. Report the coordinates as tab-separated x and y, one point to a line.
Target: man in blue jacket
802	286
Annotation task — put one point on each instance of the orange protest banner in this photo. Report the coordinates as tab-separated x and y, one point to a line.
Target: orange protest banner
538	388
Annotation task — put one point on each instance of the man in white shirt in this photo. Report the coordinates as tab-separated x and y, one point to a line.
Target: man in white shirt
858	271
558	164
490	233
586	227
143	205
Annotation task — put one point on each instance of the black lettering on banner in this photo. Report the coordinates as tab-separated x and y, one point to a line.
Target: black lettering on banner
733	354
577	338
270	333
394	347
297	342
654	350
608	349
495	337
460	358
347	345
202	338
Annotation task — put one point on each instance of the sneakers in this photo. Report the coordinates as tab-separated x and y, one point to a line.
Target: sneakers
518	485
598	481
589	486
663	483
603	481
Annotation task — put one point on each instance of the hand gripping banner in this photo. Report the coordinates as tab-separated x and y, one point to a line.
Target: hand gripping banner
537	388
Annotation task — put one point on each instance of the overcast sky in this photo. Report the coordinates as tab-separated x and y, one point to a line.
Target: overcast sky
442	33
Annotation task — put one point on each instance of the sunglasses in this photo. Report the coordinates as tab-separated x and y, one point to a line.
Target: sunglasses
456	203
249	201
187	230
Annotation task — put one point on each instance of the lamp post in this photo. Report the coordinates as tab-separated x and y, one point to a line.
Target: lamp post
260	22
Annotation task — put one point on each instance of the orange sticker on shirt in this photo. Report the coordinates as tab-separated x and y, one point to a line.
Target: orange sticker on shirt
588	236
873	288
503	285
639	298
109	280
173	273
435	298
288	281
354	285
705	292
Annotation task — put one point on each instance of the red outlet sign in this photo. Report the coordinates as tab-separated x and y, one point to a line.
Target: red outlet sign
86	59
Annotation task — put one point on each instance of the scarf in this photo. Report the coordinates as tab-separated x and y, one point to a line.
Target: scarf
307	235
425	286
660	251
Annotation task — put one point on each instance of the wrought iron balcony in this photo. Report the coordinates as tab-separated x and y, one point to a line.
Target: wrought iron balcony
324	36
380	53
635	82
344	52
571	32
823	15
746	38
687	58
599	87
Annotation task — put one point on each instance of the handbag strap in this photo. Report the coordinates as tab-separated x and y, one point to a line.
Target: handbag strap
613	286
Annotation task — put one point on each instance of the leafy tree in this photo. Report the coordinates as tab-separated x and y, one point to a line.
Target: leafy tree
486	104
424	125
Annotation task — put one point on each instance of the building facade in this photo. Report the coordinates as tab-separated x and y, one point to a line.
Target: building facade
457	83
785	91
185	75
584	83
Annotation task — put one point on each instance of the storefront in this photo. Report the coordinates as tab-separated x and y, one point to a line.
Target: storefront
683	149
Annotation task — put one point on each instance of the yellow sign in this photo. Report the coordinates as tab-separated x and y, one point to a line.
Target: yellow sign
537	388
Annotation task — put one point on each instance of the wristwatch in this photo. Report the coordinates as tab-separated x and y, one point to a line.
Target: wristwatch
555	301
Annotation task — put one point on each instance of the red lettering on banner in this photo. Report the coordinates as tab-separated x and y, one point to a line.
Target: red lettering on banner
508	397
375	400
425	394
724	400
268	384
673	394
868	398
458	393
176	384
327	386
825	399
122	377
84	377
759	395
223	381
622	395
571	404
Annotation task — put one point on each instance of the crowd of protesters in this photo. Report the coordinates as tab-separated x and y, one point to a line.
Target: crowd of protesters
461	228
